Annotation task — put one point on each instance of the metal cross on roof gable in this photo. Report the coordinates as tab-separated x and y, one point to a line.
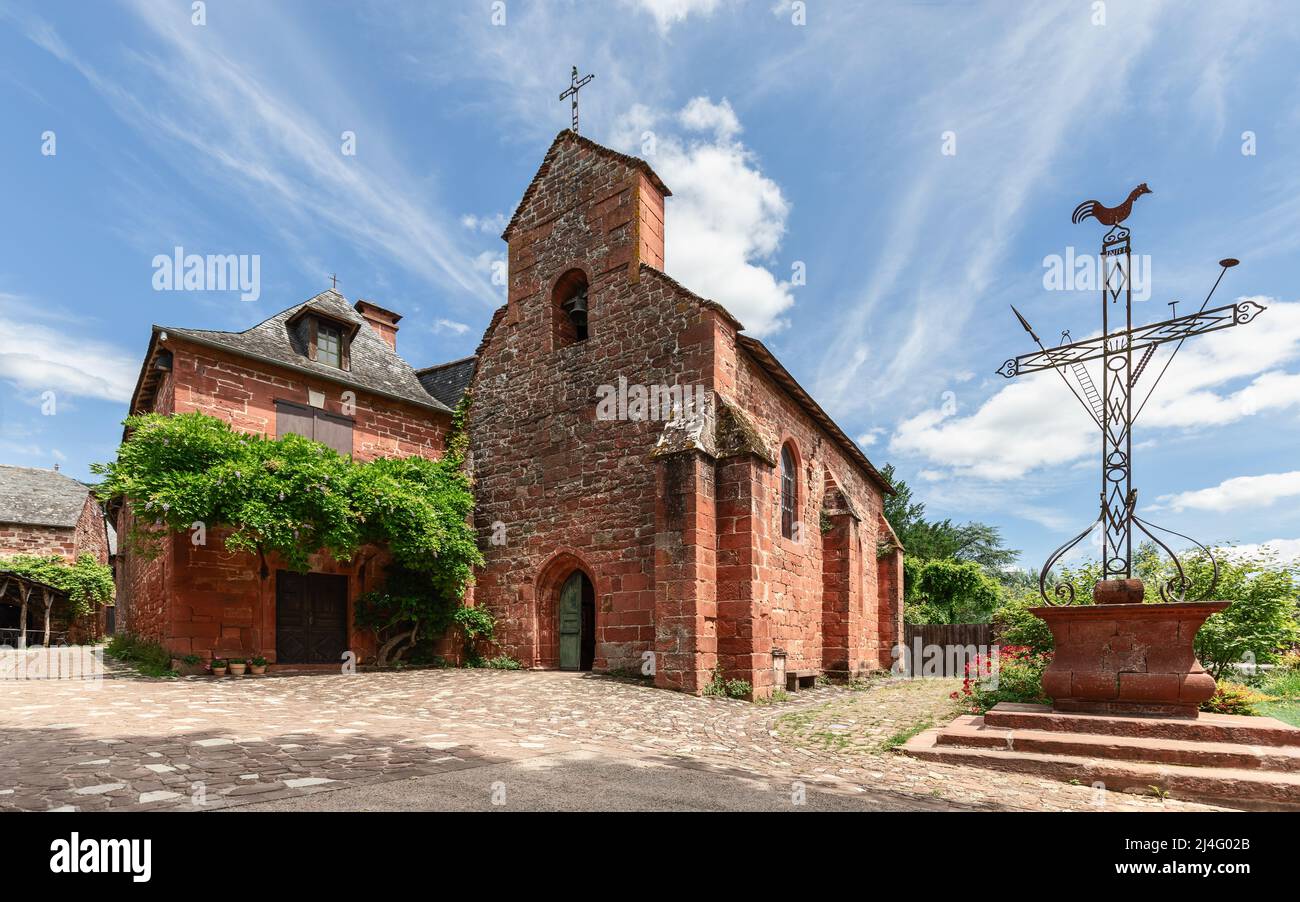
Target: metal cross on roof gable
1112	408
575	85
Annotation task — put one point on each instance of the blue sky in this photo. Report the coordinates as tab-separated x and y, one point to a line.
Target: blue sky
818	145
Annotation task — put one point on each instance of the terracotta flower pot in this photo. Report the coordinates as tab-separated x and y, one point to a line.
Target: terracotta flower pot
237	669
257	669
218	671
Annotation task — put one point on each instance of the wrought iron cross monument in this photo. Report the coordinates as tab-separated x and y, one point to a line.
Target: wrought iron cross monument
1125	353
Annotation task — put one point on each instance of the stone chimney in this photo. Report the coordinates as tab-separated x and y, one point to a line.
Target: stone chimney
384	322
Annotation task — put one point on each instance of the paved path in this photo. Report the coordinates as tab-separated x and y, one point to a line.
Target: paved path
461	739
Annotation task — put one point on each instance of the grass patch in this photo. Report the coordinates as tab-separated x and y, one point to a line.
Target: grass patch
1287	710
149	658
902	736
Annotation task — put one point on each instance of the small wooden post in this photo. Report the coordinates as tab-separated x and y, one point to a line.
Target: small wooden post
48	597
26	592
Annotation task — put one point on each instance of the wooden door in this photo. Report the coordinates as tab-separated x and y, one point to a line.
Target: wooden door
571	622
311	617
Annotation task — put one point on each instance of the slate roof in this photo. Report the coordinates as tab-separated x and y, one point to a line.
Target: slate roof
36	497
448	382
375	366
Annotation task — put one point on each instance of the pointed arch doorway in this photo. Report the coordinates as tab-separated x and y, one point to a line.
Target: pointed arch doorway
577	623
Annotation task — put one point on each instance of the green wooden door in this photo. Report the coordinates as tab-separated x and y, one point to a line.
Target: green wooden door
571	622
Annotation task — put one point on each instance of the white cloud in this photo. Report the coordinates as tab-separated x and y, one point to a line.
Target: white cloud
668	13
1286	550
871	436
725	218
1248	492
702	115
489	225
40	357
448	325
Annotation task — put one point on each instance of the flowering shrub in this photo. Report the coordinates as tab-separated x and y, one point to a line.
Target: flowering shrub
1234	698
1015	674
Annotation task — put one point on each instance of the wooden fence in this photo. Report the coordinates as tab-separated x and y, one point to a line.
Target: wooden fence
959	643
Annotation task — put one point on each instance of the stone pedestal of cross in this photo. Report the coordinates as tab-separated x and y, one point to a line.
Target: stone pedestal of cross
1125	353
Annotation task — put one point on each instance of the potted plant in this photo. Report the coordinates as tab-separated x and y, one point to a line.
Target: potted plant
238	666
219	667
257	665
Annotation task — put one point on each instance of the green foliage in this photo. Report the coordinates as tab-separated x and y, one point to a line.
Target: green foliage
1019	678
504	662
1013	624
937	539
948	591
720	687
1262	621
293	496
86	581
475	625
1233	698
150	658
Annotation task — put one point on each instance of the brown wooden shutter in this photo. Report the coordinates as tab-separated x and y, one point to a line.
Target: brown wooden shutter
294	419
336	432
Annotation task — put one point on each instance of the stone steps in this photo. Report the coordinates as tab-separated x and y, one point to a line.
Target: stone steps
974	732
1205	728
1238	762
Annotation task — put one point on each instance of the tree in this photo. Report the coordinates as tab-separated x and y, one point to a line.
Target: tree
950	591
932	540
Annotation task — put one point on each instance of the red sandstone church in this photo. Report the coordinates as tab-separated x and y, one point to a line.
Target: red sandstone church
743	533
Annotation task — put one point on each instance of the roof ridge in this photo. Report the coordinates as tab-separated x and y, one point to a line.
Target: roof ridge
438	366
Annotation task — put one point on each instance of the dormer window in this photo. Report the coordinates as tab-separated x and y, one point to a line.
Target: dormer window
322	338
329	345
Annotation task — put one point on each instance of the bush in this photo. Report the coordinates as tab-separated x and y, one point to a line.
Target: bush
1019	678
948	591
1013	624
504	662
1233	698
720	687
150	658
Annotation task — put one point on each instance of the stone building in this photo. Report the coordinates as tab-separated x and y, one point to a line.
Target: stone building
323	369
44	513
746	535
654	490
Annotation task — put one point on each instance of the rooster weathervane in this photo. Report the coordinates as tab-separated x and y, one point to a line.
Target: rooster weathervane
1111	408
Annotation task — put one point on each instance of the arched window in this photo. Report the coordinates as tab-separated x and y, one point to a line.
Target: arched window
789	491
569	305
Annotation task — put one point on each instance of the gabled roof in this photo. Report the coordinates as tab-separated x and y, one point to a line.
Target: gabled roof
569	136
767	360
448	382
375	367
37	497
